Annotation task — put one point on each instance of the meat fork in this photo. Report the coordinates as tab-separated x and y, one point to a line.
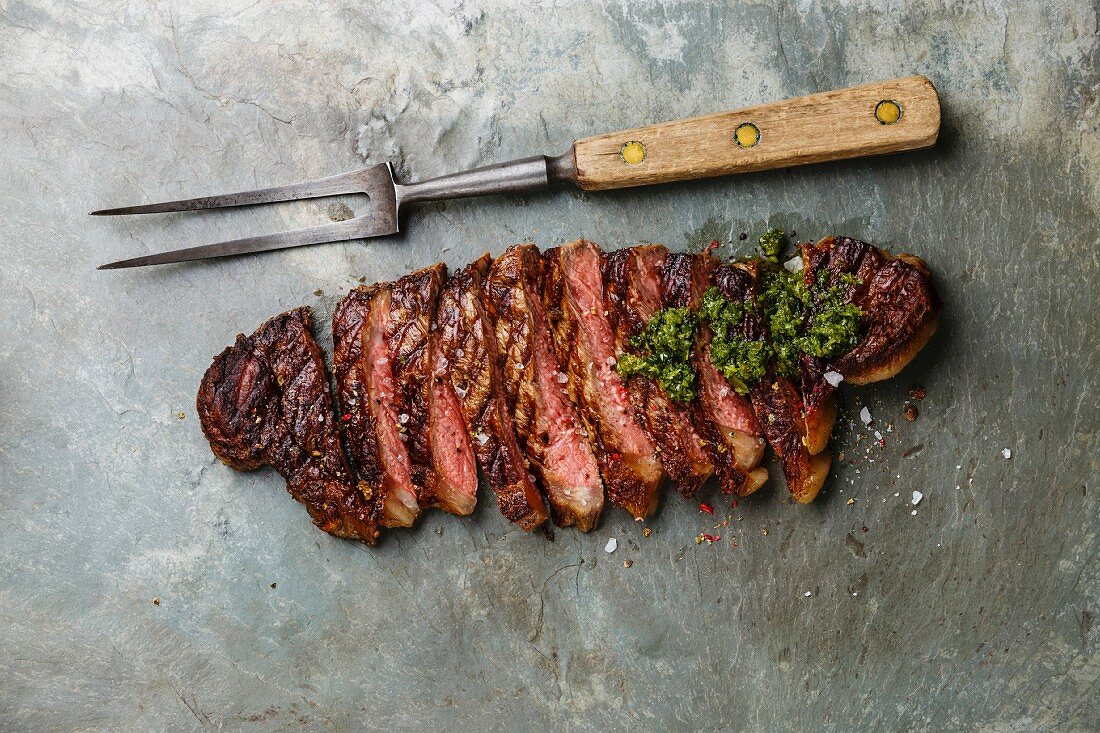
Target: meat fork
872	119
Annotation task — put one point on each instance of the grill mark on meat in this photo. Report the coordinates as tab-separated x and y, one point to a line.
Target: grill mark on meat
546	421
468	343
723	418
632	296
776	399
265	401
369	400
573	300
900	305
900	313
412	303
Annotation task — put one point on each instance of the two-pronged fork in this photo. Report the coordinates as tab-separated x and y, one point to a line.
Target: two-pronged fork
886	117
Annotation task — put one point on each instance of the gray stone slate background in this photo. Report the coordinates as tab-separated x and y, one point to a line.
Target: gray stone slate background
978	612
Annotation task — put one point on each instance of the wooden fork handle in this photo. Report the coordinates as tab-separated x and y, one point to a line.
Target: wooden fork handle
872	119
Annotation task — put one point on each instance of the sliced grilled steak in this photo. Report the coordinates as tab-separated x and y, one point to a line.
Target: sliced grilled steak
583	341
546	420
412	304
632	296
453	487
265	402
723	418
468	345
369	399
776	399
900	306
900	310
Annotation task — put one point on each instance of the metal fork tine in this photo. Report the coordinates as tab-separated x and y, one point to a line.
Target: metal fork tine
358	228
343	183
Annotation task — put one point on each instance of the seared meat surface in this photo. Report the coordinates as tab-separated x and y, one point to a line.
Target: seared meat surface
265	402
514	366
632	296
723	418
776	399
469	347
546	420
573	298
899	313
370	402
900	306
412	304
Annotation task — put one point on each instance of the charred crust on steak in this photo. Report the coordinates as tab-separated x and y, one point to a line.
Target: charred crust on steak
900	312
735	450
370	402
775	399
265	402
632	295
468	343
900	305
412	305
631	479
546	421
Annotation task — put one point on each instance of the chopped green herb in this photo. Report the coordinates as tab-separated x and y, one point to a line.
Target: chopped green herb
834	328
663	353
741	360
800	319
784	301
772	244
814	320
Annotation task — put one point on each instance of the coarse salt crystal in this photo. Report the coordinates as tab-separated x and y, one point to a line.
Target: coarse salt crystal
794	264
482	438
1007	453
865	416
611	361
460	353
562	379
808	594
914	512
917	496
611	546
833	378
402	418
878	435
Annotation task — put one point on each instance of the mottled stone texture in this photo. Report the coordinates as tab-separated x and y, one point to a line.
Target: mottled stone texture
978	613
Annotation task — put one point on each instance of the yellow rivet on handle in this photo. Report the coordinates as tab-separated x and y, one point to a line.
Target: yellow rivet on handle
746	135
632	152
887	111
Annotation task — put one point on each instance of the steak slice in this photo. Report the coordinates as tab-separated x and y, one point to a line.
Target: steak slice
632	296
469	353
900	312
546	420
573	299
265	402
722	417
453	487
369	399
776	399
412	304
